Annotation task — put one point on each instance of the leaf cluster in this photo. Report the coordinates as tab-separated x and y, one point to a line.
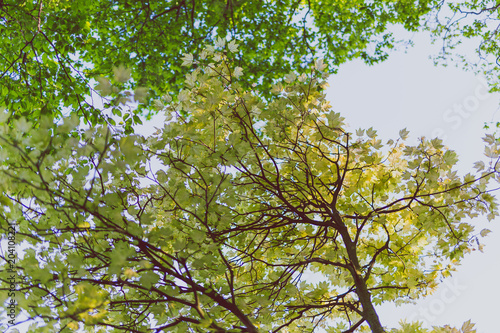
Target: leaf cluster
51	51
213	223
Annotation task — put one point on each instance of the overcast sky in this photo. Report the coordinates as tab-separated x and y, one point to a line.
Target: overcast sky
408	91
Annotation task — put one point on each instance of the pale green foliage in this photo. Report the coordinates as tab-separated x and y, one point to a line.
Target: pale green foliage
467	327
209	224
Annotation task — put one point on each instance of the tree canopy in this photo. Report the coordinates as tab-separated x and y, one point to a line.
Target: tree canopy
212	223
51	50
215	222
472	23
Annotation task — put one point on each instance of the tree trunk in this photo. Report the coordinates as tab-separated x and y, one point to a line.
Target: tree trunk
362	291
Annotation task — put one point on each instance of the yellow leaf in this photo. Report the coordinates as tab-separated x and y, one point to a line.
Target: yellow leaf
485	232
130	273
468	327
73	326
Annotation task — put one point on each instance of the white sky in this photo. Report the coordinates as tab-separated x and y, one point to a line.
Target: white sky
408	91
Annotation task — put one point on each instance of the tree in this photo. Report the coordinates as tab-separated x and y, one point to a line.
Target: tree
471	23
51	50
210	224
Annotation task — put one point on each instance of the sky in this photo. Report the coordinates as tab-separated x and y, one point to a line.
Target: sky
408	91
